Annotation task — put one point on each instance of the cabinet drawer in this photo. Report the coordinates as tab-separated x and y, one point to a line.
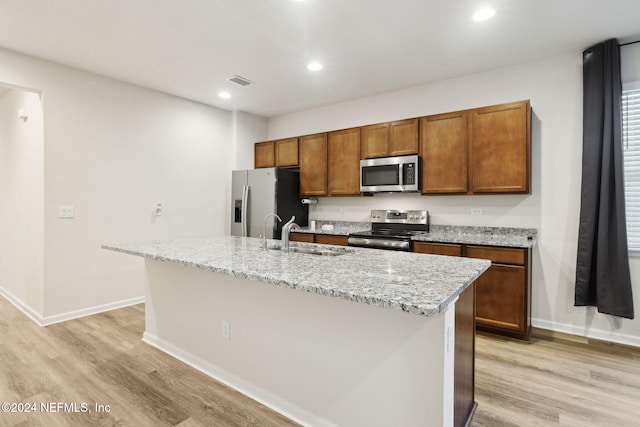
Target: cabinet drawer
301	237
497	255
437	248
328	239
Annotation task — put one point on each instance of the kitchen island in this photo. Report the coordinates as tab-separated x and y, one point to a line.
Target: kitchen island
360	338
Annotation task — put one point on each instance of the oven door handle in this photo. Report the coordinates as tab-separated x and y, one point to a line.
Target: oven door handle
400	245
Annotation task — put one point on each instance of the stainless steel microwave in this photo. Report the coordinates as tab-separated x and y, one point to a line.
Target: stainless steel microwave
390	174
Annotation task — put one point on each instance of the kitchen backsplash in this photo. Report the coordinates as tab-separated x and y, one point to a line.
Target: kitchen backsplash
496	211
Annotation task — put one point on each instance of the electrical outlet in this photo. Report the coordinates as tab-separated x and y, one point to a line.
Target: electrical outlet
226	329
65	212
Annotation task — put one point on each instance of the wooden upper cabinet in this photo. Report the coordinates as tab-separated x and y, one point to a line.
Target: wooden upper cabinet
500	148
403	139
375	141
283	153
344	162
264	155
313	165
287	152
443	144
390	139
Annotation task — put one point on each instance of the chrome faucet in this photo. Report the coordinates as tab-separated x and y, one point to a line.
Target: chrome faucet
286	229
264	231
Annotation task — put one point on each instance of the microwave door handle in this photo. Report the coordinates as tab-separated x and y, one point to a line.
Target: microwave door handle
245	203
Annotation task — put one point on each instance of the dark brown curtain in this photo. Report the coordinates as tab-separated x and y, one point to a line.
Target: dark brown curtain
602	270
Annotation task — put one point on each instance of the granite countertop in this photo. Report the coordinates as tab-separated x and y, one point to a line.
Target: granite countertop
487	236
337	228
405	281
460	234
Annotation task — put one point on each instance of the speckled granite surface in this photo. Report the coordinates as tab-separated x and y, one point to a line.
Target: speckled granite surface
414	283
340	228
489	236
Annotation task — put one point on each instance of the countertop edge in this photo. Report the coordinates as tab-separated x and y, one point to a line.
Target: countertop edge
427	310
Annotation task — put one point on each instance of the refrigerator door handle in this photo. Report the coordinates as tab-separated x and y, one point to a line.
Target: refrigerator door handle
245	203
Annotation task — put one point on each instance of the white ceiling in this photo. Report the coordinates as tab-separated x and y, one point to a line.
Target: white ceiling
189	47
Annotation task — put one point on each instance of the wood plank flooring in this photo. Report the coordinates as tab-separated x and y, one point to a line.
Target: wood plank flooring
101	360
556	380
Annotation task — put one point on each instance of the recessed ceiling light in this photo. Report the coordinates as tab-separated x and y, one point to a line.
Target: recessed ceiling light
483	14
315	66
224	95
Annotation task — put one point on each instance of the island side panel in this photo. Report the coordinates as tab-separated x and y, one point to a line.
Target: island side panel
465	324
319	360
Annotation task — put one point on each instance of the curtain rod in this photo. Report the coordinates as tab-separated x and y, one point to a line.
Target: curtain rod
626	44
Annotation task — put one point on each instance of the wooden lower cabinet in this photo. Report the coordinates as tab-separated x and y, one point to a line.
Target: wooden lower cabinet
501	298
503	292
301	237
438	248
325	239
332	239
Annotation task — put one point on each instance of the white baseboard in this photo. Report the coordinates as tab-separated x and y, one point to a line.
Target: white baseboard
269	400
24	308
63	317
76	314
583	331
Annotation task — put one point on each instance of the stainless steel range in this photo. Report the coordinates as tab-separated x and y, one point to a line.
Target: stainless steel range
392	229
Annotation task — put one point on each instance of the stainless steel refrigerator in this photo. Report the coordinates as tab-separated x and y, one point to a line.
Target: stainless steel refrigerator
256	193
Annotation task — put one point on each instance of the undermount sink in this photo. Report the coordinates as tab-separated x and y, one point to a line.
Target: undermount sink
314	250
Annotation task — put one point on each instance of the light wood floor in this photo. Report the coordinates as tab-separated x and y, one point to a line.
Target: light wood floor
556	381
101	359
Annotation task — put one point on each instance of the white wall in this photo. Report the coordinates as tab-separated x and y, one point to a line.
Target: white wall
22	197
248	129
114	151
554	86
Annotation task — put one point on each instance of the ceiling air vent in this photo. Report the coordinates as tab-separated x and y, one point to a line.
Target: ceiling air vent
239	80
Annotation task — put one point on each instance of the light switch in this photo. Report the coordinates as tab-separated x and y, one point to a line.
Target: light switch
65	212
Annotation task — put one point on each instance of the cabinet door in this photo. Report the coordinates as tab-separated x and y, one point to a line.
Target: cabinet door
264	155
501	298
438	248
287	152
403	137
500	148
444	146
313	165
375	141
344	162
